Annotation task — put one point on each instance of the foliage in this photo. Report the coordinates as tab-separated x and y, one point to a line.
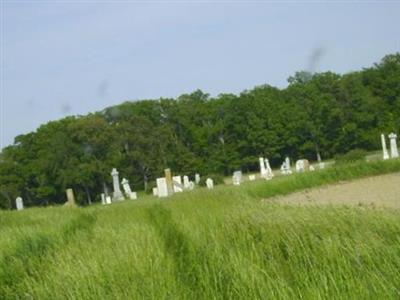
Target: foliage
317	115
351	156
216	178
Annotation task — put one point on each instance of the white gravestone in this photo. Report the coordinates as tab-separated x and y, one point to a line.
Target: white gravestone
155	191
19	203
394	153
252	177
117	195
269	175
191	185
312	168
127	189
285	167
108	200
197	178
162	188
321	165
210	183
186	182
302	165
177	182
263	171
384	149
103	198
237	177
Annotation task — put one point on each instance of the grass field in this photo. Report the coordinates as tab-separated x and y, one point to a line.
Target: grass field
221	244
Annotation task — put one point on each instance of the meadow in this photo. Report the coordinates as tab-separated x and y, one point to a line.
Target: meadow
225	243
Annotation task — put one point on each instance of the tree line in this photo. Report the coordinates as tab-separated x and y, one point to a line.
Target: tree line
316	116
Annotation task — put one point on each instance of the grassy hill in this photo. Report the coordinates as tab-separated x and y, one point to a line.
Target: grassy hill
221	244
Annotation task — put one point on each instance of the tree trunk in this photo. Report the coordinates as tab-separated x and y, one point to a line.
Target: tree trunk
145	181
89	199
318	153
105	189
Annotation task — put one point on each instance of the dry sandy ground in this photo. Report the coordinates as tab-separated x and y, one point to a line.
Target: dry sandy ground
380	191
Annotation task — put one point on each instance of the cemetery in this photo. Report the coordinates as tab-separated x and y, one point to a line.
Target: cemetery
271	193
169	185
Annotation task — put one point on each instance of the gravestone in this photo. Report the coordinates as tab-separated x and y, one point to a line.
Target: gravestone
117	195
19	203
252	177
269	175
186	182
108	199
197	178
285	167
263	171
210	183
127	189
169	182
237	177
103	198
384	149
162	189
302	165
191	185
312	168
155	191
70	198
321	165
394	153
177	181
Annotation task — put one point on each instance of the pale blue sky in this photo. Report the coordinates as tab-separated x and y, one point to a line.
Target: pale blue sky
69	57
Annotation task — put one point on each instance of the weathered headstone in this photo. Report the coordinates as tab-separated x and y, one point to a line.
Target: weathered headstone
108	199
19	203
191	185
177	181
252	177
285	167
127	189
237	177
70	198
186	182
394	153
269	175
155	191
197	178
117	195
169	181
384	149
210	183
162	189
103	198
321	165
302	165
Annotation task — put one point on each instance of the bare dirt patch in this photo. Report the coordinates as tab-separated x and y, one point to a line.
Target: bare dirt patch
380	191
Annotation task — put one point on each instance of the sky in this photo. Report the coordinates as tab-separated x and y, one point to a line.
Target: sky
62	58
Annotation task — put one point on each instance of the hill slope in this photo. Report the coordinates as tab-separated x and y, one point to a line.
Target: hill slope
219	244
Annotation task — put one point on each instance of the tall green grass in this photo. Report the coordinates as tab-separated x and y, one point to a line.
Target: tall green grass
219	244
